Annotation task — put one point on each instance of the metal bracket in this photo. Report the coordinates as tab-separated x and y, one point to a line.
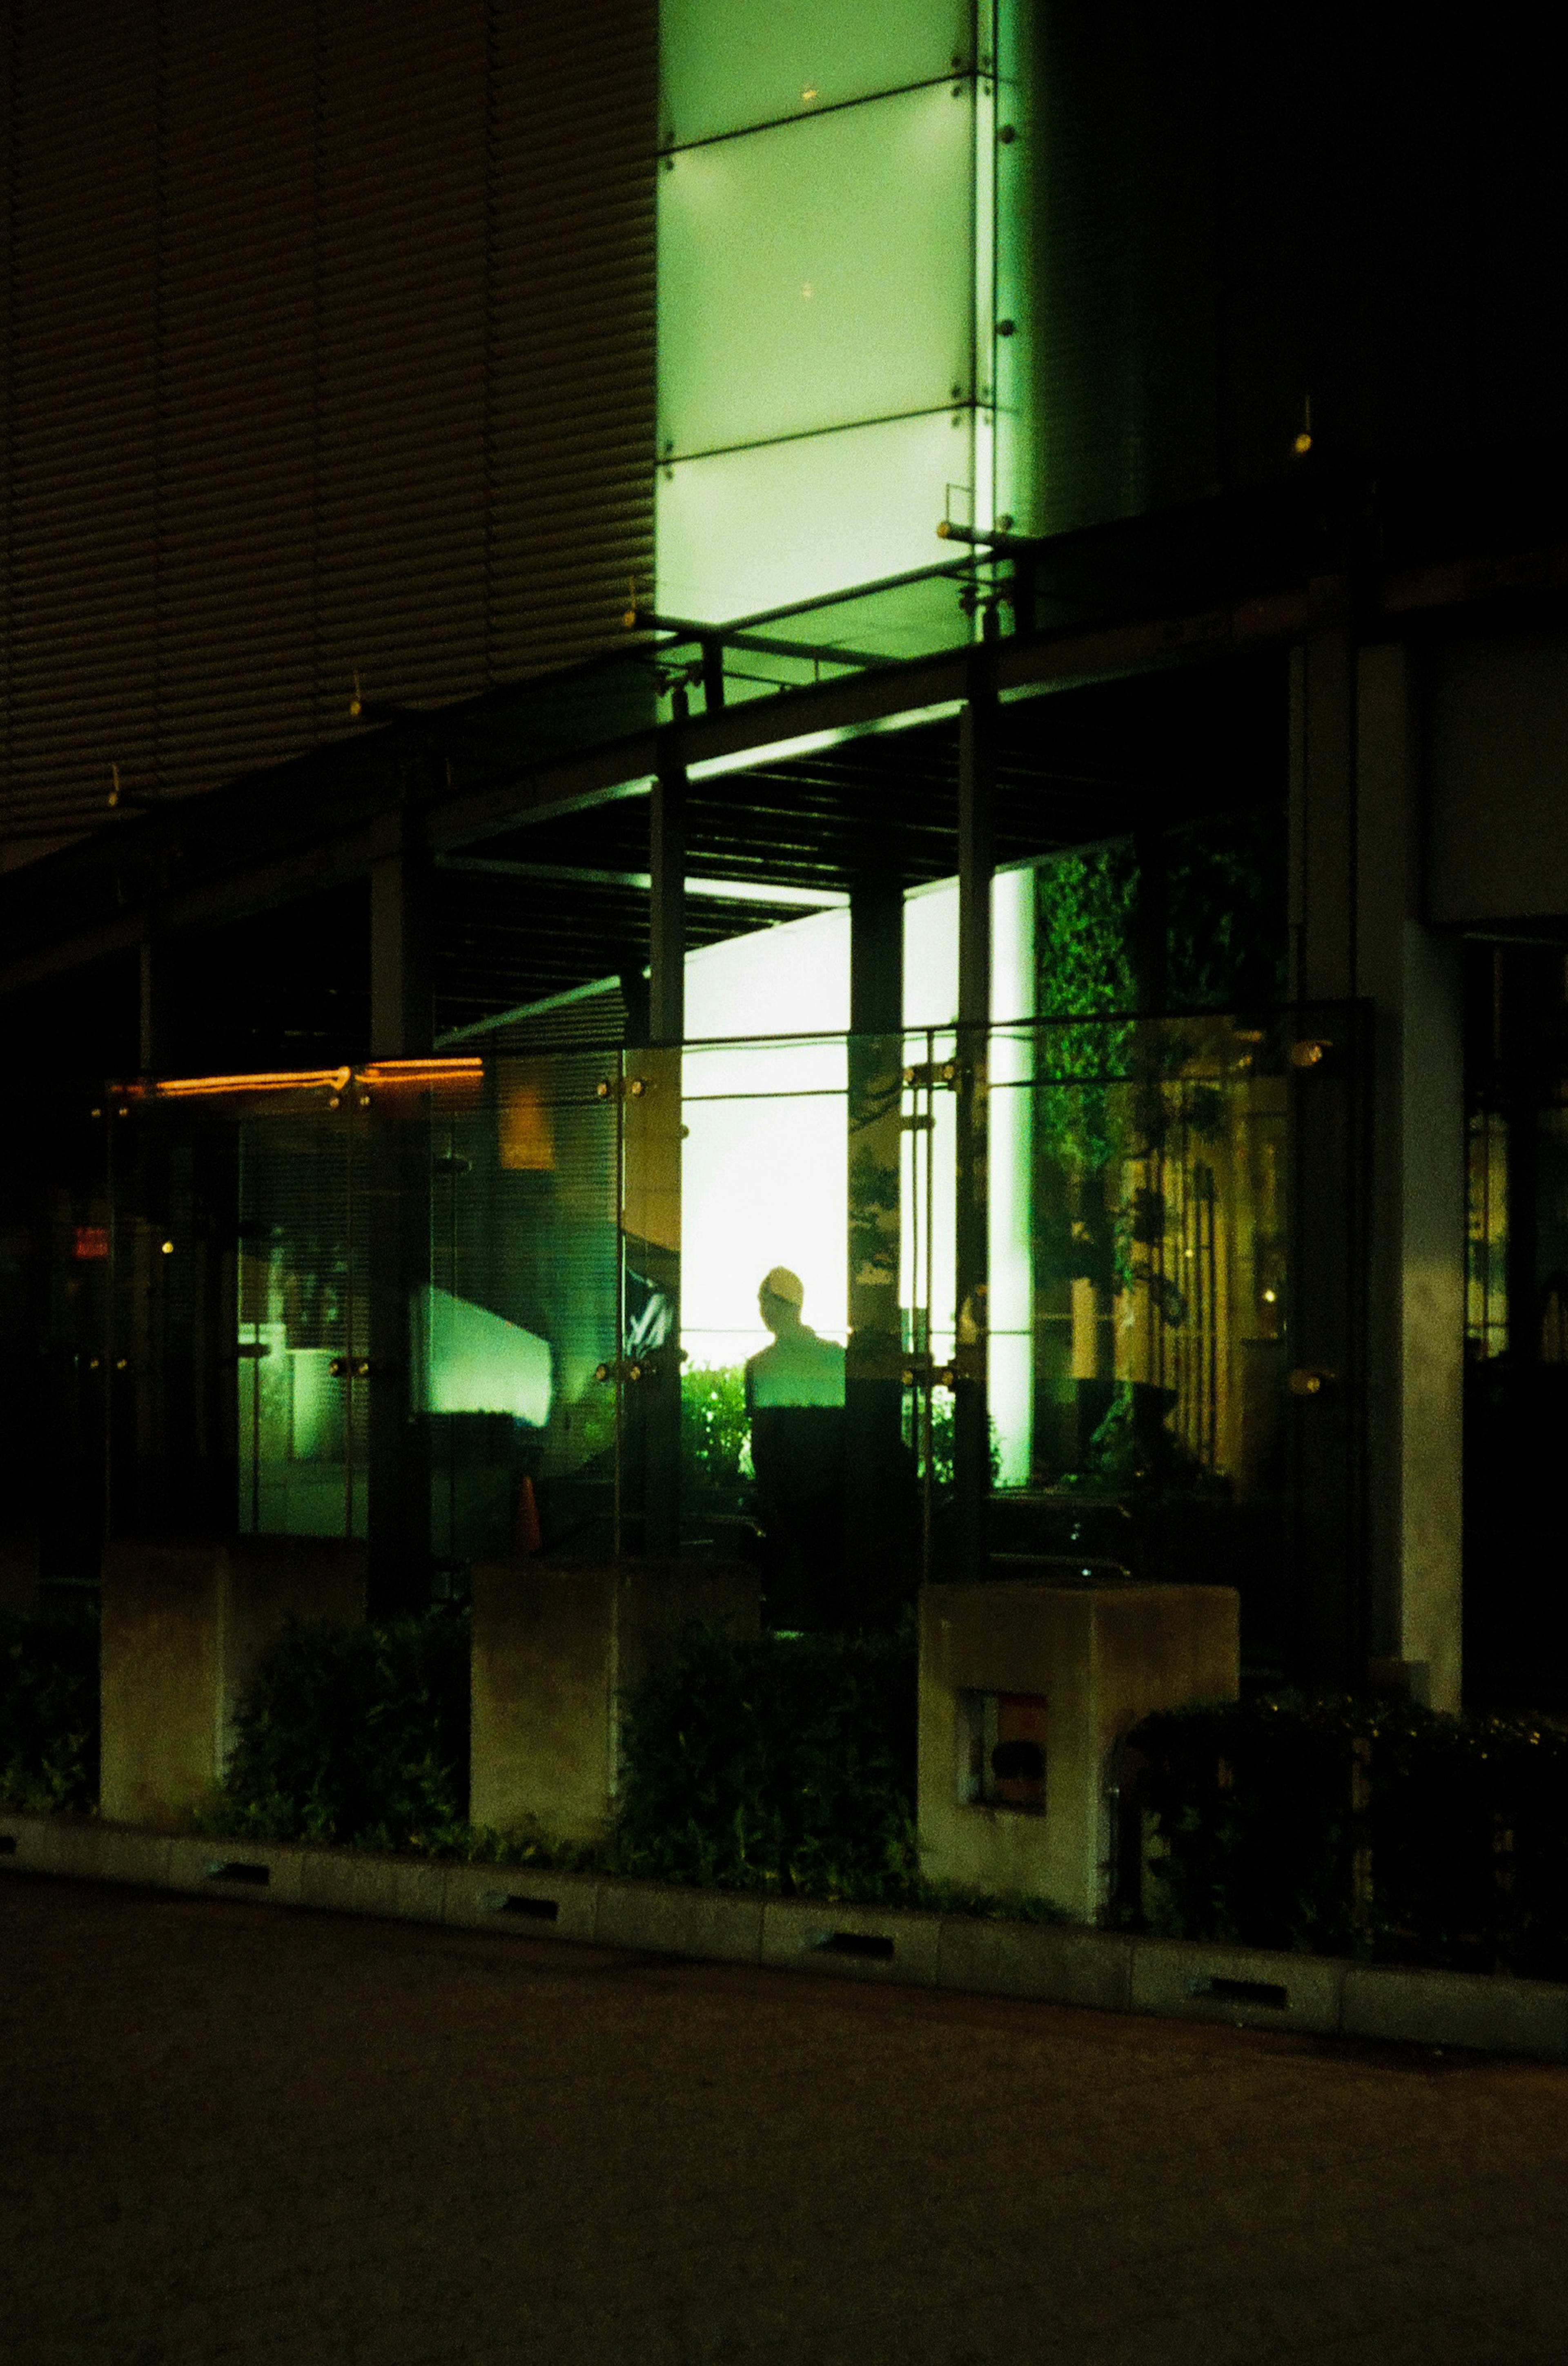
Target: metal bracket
620	1088
928	1073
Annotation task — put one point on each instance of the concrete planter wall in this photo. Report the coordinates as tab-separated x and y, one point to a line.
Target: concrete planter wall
1311	1995
185	1626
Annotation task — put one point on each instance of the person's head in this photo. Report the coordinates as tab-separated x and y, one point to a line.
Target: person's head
781	1298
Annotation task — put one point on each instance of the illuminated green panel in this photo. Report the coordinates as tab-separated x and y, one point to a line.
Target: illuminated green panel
817	274
744	531
726	66
468	1360
1020	204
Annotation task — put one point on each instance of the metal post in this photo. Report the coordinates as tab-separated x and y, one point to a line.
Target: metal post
666	903
972	1416
881	1512
402	1016
651	1217
1325	1640
153	1052
396	1218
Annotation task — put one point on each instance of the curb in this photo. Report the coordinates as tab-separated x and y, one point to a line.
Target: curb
1052	1964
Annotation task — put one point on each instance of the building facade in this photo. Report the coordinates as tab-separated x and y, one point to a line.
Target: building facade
996	575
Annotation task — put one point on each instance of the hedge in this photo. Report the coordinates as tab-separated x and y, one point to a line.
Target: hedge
785	1764
1353	1828
357	1735
49	1709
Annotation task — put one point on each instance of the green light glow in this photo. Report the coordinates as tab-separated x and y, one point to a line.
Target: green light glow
817	274
469	1360
726	66
826	319
744	531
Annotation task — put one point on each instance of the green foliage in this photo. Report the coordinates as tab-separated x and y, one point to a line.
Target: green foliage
1131	1449
1084	932
787	1763
715	1435
1341	1826
1225	912
49	1709
356	1735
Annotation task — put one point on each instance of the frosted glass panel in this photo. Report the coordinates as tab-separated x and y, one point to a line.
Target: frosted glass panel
724	68
818	273
745	531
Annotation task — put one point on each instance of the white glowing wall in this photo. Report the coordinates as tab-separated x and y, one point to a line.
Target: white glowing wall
763	1170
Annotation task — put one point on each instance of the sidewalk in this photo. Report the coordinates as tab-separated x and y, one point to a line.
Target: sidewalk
296	2137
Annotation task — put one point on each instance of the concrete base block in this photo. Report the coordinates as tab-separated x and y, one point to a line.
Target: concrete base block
270	1873
1024	1692
185	1626
1497	2016
862	1942
1243	1985
702	1924
97	1854
348	1883
557	1645
1100	1970
528	1904
1079	1968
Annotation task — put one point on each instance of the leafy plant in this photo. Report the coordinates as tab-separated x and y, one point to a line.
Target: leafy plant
49	1709
715	1435
786	1763
356	1735
1359	1827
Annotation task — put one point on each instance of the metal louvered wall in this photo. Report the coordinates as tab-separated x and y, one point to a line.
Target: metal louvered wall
328	349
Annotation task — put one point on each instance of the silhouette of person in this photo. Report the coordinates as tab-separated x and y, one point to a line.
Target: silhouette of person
794	1398
799	1368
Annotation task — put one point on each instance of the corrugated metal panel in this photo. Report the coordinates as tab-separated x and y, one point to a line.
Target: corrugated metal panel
573	123
236	369
400	230
80	333
329	348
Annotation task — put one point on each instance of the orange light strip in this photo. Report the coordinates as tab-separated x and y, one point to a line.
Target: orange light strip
420	1071
274	1080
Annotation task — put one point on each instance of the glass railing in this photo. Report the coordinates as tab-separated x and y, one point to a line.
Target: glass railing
1017	1303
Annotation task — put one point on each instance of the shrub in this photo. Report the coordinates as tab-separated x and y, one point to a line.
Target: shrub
356	1735
49	1709
1356	1827
786	1763
715	1433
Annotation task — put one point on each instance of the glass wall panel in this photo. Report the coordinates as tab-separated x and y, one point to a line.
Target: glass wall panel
723	68
591	1301
764	1301
741	531
1153	1397
515	1340
302	1320
818	273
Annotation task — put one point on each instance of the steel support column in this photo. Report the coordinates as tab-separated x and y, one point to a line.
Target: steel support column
881	1511
1325	1626
651	1216
396	1224
972	1414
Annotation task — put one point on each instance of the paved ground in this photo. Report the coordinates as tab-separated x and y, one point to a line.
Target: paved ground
235	2133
